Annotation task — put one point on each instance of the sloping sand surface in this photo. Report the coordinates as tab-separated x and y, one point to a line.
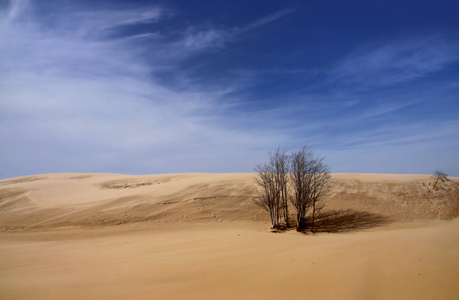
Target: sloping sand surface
200	236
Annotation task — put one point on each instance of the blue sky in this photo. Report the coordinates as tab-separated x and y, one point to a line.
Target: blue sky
145	87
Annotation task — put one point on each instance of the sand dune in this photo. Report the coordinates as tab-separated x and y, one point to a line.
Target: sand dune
200	236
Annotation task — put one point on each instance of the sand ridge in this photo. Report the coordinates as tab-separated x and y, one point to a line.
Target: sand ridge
87	200
84	200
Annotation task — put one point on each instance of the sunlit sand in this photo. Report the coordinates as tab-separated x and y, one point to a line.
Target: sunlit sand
201	236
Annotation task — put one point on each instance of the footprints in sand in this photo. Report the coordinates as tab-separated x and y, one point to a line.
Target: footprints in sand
203	206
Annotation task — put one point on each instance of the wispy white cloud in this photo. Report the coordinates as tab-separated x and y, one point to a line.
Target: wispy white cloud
196	39
419	147
70	102
267	19
397	61
211	38
100	23
110	18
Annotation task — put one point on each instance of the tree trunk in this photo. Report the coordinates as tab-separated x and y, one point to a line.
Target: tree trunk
436	181
287	224
313	214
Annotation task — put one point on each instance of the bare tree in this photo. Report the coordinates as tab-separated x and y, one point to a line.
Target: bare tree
320	183
309	178
439	175
300	181
305	174
267	196
272	178
279	159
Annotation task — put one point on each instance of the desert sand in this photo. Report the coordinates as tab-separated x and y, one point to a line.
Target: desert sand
200	236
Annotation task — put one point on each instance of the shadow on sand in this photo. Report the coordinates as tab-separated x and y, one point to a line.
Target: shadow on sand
345	221
335	221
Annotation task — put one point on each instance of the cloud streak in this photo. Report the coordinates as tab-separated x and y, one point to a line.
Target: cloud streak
267	19
198	40
396	61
